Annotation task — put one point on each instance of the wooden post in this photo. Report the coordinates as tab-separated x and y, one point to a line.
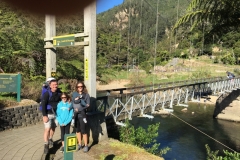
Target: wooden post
96	119
50	26
90	50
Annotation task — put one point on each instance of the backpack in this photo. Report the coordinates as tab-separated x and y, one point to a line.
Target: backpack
44	90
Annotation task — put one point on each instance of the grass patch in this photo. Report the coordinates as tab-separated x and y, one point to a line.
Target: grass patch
8	99
203	67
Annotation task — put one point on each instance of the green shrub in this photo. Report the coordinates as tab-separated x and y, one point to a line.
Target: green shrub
136	78
213	155
65	87
216	60
146	66
142	138
32	88
228	59
201	74
237	71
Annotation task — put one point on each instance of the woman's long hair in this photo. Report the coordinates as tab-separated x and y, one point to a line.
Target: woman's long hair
84	87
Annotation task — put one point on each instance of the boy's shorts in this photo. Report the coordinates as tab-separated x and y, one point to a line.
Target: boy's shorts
51	121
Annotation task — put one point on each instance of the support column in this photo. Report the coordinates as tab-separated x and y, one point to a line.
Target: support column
97	126
90	50
50	25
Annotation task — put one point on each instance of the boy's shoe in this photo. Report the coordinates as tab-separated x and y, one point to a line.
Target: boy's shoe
50	142
85	149
46	148
79	147
62	149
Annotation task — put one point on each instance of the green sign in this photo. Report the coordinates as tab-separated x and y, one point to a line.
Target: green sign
11	83
60	41
70	145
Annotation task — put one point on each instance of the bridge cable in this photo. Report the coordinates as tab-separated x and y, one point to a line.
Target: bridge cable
203	132
155	47
129	32
175	38
139	41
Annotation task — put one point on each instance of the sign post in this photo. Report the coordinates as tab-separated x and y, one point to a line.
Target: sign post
11	83
70	145
90	67
50	25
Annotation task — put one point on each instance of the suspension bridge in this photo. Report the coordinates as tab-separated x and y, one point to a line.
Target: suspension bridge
144	101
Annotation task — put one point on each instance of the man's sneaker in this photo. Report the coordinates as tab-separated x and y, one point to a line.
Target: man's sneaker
46	148
85	149
62	149
50	142
79	147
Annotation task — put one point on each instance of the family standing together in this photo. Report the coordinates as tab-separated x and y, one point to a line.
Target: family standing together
59	109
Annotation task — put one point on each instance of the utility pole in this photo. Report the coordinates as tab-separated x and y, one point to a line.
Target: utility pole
50	25
90	50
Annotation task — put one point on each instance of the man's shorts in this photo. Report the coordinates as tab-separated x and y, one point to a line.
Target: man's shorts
51	121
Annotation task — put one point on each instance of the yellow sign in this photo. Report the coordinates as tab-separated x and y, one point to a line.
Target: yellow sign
86	69
53	74
54	42
71	144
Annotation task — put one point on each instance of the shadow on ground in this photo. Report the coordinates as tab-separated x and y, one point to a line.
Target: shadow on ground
110	157
52	151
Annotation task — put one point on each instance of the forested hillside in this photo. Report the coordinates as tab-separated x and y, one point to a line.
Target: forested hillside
129	30
123	38
128	33
22	41
136	34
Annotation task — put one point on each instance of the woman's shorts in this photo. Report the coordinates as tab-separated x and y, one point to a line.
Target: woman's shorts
80	125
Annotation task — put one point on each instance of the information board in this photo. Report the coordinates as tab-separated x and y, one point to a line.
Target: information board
71	143
11	83
67	40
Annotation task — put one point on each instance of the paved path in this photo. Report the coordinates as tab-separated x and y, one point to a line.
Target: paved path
27	144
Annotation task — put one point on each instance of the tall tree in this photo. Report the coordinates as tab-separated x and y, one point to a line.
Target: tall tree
222	15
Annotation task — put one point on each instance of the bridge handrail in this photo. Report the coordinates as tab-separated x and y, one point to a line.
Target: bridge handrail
159	85
153	90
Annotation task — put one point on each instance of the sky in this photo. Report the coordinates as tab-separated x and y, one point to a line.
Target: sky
104	5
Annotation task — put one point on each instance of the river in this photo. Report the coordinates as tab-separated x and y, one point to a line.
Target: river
187	143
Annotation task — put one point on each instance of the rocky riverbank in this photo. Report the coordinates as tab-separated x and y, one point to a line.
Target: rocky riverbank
231	112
